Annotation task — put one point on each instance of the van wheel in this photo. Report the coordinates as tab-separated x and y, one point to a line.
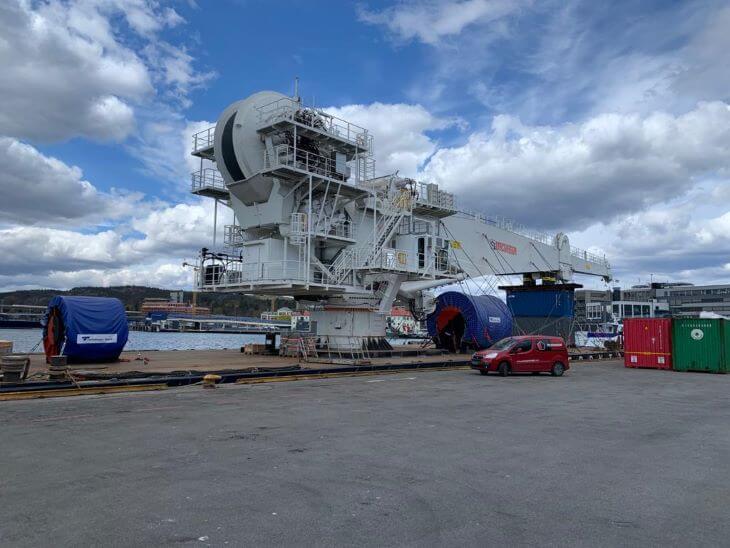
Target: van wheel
503	369
557	370
483	371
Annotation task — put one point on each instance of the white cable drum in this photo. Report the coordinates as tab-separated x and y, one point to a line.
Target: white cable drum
239	151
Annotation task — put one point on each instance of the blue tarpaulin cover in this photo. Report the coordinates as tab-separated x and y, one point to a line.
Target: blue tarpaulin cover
485	319
88	329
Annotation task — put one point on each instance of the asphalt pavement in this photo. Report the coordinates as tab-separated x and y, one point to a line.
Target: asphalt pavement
603	456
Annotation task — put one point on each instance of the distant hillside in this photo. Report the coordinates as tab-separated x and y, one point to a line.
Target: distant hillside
133	295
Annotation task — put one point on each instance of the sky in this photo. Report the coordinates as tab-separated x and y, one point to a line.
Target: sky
609	121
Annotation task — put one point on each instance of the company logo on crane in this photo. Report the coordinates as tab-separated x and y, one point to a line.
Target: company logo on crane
503	247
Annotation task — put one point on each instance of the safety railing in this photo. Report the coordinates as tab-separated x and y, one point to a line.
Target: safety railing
409	225
393	203
588	256
233	236
288	156
390	259
435	263
342	267
509	225
441	261
365	168
299	228
236	273
287	109
512	226
203	139
207	178
341	230
430	194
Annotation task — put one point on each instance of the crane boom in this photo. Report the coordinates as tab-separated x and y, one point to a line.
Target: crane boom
483	245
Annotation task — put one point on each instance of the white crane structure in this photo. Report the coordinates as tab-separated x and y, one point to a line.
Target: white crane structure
312	221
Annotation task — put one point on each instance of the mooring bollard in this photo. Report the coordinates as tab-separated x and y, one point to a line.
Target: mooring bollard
14	367
6	347
58	368
210	380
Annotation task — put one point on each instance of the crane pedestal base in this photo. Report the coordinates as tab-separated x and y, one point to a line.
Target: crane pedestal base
348	329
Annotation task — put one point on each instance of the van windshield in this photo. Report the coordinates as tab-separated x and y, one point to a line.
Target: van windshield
503	344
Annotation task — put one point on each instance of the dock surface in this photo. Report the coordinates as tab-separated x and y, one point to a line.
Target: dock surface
168	361
603	456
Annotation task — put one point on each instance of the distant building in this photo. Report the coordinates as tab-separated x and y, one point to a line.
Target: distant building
693	299
218	323
590	305
651	300
298	319
284	313
175	305
639	309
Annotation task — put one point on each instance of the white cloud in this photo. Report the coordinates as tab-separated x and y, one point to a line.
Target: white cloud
163	148
164	275
149	253
682	241
172	68
615	125
626	185
674	79
176	229
400	133
625	174
38	189
432	20
667	59
37	250
70	70
97	69
575	175
64	74
551	61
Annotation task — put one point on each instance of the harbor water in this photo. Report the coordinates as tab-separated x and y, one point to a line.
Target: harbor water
25	339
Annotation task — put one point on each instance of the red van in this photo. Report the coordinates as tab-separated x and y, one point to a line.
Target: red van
527	354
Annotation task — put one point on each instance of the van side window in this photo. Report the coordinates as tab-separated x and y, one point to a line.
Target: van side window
523	346
543	344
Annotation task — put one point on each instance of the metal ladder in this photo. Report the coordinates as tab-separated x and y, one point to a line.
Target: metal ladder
360	256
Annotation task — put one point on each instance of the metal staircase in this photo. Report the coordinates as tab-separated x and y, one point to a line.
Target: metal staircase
356	257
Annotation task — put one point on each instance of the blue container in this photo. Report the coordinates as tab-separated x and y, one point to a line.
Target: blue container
558	303
479	320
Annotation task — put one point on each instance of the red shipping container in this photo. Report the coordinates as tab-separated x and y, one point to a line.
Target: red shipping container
648	342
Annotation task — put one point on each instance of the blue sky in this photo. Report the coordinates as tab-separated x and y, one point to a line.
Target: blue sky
607	120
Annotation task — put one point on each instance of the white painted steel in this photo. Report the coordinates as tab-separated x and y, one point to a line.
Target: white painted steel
310	218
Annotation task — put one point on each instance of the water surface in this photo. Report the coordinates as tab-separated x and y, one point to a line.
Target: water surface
24	340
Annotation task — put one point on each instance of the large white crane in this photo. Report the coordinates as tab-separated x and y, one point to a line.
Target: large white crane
314	222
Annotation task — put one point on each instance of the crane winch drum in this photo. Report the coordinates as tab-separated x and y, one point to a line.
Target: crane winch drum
239	150
463	321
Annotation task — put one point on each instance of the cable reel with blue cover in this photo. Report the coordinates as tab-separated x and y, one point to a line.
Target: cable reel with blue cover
85	329
461	322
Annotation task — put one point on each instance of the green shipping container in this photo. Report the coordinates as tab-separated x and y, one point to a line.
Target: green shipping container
700	345
726	346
